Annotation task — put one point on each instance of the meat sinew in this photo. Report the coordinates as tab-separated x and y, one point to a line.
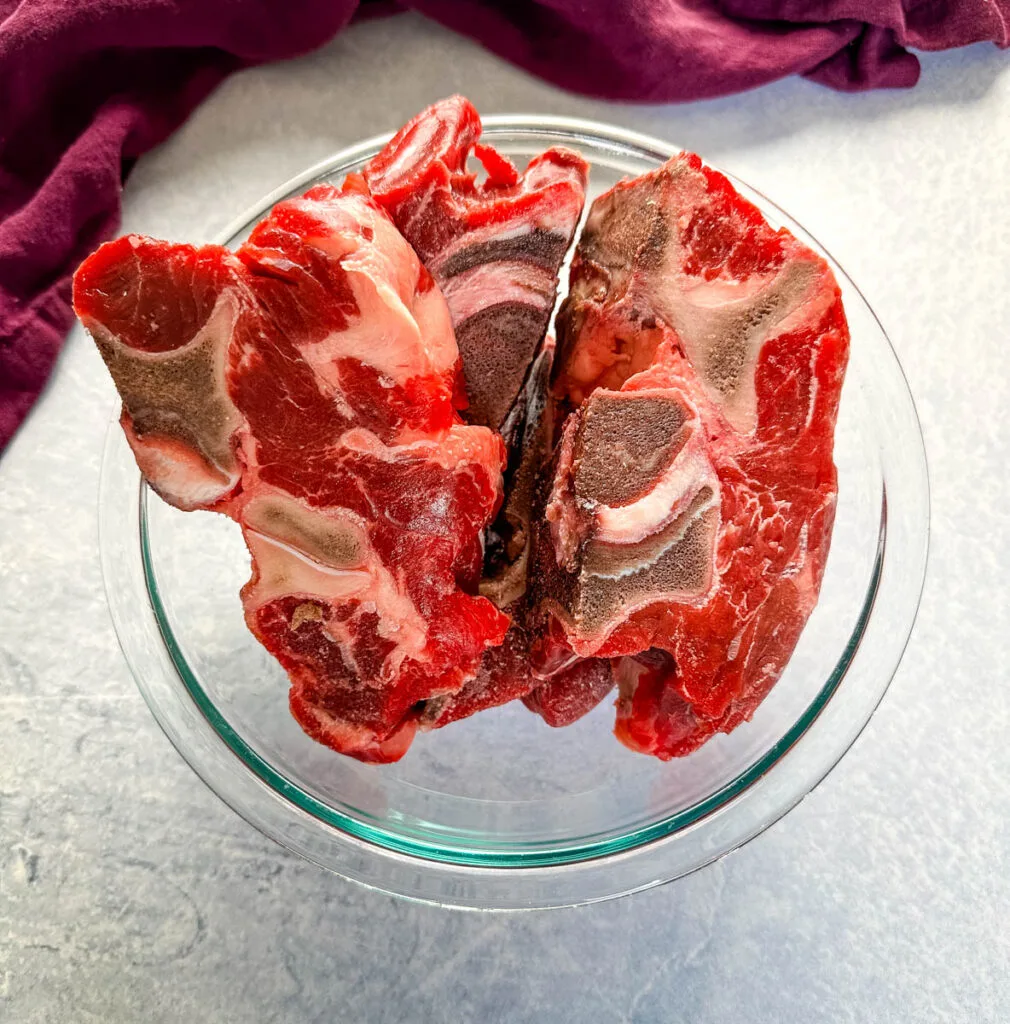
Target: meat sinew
304	385
493	246
688	515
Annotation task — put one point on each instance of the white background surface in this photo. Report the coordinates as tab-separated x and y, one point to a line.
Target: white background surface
129	893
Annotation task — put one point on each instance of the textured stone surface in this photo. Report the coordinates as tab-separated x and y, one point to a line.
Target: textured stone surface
129	893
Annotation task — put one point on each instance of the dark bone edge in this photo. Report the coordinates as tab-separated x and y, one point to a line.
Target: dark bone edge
530	426
544	248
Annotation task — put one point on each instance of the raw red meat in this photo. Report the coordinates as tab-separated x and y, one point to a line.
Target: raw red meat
309	385
573	692
494	246
504	675
305	387
703	354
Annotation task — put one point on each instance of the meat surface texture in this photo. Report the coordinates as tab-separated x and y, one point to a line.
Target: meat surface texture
569	694
306	385
688	509
493	246
445	509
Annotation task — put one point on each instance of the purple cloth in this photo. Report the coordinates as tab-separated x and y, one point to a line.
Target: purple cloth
87	86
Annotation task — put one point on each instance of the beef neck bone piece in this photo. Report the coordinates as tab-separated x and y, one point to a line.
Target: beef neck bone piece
494	246
305	387
719	348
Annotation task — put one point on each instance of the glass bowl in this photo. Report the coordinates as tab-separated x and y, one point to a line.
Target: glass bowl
500	811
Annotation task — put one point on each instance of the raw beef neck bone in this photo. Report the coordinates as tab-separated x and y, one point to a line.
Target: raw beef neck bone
703	353
670	536
305	387
494	247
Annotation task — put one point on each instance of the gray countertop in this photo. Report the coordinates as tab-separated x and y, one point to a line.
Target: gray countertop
129	893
